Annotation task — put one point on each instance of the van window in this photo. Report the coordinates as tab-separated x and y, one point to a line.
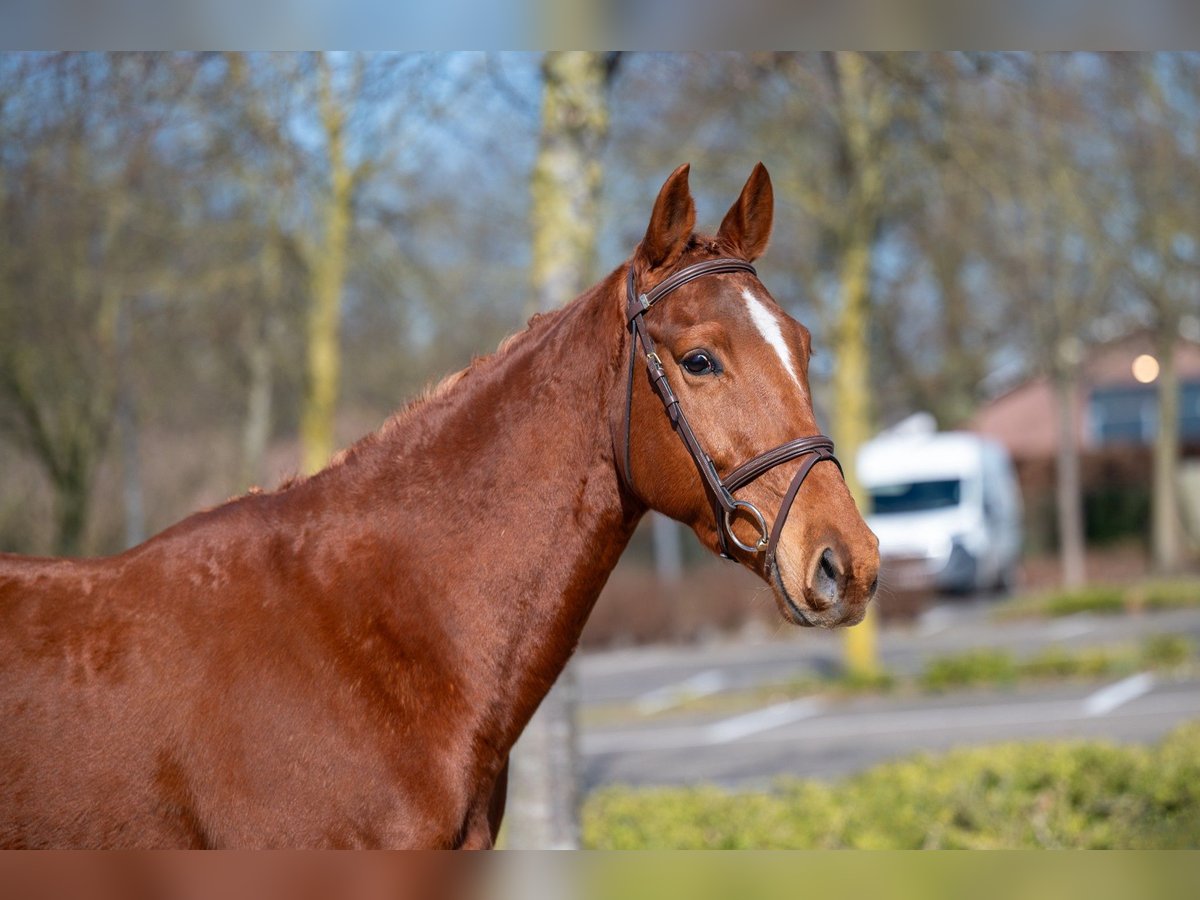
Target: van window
916	496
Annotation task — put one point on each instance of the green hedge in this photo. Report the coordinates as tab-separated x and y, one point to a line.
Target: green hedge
1166	595
1061	794
1095	599
974	667
991	667
1105	599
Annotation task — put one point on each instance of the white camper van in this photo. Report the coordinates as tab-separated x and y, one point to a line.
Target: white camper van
945	506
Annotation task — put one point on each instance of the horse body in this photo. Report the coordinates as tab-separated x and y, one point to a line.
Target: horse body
348	660
274	672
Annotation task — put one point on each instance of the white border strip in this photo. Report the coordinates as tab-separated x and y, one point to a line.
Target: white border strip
1109	698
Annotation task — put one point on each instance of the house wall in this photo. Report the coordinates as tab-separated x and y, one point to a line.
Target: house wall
1116	478
1024	419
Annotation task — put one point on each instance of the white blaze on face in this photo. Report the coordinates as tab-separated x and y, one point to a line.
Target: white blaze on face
767	324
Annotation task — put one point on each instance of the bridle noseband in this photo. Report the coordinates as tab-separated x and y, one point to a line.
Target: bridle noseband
814	449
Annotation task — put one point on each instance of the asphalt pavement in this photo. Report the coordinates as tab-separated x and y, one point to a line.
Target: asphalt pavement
630	734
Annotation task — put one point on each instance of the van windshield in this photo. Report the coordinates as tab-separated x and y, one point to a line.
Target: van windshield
917	496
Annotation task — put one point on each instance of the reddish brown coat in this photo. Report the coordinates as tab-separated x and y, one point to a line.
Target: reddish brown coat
348	660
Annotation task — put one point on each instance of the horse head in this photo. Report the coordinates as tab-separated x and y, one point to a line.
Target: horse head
726	369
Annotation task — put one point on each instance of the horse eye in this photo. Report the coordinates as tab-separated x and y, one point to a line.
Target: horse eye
699	363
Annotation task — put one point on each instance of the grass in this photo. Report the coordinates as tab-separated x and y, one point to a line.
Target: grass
1105	600
1167	651
1072	794
997	668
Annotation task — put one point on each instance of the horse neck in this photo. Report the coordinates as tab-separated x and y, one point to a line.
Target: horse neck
505	499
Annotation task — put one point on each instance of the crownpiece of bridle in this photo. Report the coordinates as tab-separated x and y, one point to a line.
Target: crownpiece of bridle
814	449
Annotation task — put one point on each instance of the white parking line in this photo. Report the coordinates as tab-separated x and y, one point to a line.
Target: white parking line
935	621
880	723
1073	626
699	685
1109	698
762	720
722	732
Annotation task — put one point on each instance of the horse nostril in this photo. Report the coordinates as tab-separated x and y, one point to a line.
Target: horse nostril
826	581
827	566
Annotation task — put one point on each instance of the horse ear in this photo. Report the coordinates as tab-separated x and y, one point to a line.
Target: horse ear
747	226
671	223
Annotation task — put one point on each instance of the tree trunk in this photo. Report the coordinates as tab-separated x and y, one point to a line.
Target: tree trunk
327	267
256	429
861	114
543	808
851	376
566	176
1068	488
127	433
566	181
261	339
71	457
1166	543
962	368
72	497
668	549
851	401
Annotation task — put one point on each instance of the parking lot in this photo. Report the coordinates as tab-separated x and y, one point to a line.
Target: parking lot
671	715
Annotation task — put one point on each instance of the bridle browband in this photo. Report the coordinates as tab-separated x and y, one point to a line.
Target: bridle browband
814	449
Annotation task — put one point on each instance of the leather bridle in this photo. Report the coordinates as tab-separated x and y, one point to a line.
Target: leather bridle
814	449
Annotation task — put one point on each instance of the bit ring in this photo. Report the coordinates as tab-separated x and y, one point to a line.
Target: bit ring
762	527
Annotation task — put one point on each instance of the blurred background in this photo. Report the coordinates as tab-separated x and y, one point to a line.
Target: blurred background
218	268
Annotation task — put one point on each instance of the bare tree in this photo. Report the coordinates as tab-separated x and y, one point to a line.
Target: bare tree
1051	254
854	127
85	215
326	261
566	180
936	331
1158	99
258	96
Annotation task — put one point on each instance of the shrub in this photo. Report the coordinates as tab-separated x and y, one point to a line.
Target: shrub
975	667
1170	594
1094	599
1166	651
865	682
1049	794
1052	662
1105	599
1097	662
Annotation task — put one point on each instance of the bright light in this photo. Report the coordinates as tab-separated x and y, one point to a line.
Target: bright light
1145	368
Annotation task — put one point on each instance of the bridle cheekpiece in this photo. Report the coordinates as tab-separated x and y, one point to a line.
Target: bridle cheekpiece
813	449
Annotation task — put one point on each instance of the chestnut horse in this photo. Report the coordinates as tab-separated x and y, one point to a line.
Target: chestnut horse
347	661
